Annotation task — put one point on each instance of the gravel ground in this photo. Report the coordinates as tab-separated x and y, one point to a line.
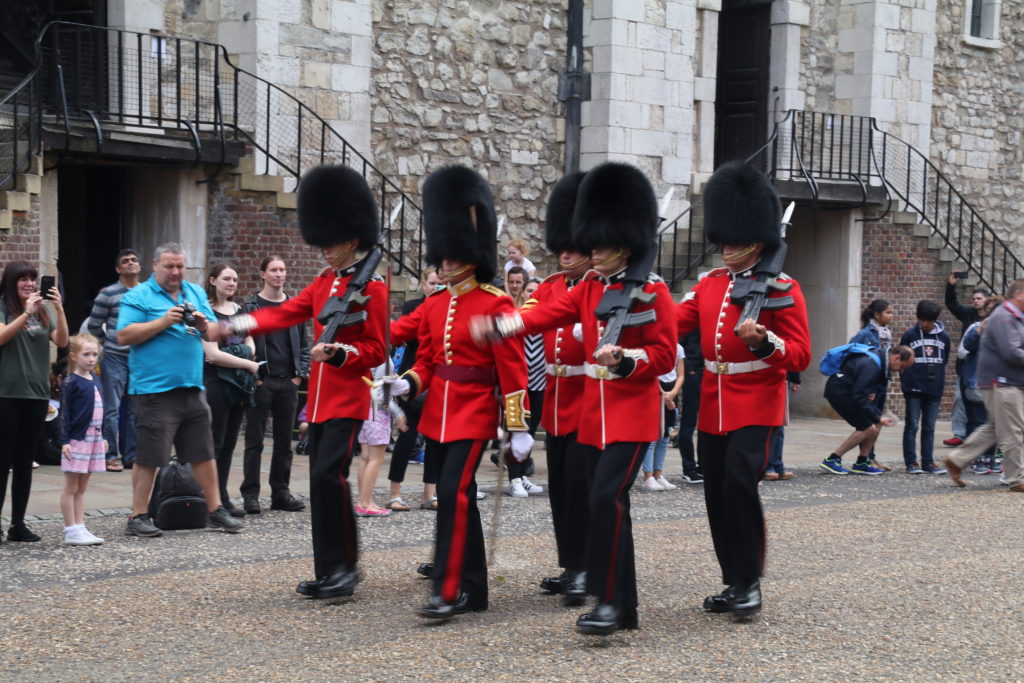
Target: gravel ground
896	577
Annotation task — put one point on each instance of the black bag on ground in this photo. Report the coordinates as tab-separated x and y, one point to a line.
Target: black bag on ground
177	501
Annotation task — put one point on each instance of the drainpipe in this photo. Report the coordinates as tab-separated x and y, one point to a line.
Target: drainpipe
573	85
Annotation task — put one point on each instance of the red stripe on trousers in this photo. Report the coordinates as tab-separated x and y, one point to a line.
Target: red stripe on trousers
457	549
609	588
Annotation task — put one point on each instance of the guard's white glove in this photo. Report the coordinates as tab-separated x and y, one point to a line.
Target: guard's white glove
522	444
399	386
577	332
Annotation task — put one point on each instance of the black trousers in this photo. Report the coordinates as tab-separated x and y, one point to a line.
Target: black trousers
688	420
611	565
569	495
733	465
21	423
225	421
460	564
279	397
335	544
405	447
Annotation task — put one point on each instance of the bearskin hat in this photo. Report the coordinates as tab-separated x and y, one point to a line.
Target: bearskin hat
741	206
452	230
616	207
558	218
336	205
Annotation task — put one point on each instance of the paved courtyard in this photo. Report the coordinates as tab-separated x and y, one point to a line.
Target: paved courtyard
895	577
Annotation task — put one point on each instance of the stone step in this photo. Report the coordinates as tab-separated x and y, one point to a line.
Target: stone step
30	183
14	201
5	219
261	183
287	200
922	230
905	217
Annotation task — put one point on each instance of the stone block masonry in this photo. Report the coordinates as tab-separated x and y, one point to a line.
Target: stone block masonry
473	83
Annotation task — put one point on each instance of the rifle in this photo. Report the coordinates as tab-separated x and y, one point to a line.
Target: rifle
335	313
753	292
615	304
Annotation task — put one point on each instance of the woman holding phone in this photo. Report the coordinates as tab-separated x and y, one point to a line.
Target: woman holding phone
28	325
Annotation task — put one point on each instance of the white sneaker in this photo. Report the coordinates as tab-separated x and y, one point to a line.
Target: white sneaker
96	540
516	490
480	495
77	535
531	488
651	484
666	484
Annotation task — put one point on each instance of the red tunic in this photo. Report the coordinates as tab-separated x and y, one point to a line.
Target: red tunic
616	408
731	401
335	391
456	410
565	359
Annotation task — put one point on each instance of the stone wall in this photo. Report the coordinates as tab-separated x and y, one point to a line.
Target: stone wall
979	116
899	267
473	83
819	62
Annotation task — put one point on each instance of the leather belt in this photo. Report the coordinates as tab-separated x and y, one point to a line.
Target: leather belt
600	372
721	368
558	370
462	373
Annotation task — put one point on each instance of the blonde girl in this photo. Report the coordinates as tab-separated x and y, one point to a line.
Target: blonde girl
83	449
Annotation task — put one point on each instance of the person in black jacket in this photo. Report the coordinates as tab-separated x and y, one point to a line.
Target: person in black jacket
851	392
967	315
923	386
286	356
693	366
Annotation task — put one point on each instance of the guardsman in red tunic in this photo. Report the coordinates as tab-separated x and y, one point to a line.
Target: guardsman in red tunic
621	408
471	387
566	367
743	394
337	213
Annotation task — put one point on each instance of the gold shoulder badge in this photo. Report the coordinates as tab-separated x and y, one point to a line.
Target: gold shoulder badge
491	289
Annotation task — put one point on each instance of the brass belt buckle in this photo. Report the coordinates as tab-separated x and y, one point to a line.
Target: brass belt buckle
561	371
722	368
602	372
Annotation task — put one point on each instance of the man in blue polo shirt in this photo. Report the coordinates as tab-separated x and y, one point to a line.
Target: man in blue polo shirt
164	321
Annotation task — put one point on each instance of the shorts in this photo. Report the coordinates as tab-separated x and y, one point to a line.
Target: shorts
855	415
179	417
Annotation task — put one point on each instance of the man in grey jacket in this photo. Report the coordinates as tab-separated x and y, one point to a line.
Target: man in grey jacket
1001	380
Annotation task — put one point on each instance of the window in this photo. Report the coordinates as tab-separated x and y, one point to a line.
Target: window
981	22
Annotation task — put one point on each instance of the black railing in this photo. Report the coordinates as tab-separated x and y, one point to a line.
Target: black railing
187	88
816	147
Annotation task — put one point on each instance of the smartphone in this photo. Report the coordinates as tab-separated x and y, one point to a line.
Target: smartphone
961	274
45	285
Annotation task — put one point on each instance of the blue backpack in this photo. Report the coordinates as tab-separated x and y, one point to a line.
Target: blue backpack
834	358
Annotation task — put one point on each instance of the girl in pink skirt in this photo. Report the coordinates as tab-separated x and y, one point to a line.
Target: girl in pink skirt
83	448
373	440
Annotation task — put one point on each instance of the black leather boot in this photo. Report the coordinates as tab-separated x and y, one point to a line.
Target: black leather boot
337	585
439	610
719	603
574	588
604	620
426	569
554	585
746	600
309	587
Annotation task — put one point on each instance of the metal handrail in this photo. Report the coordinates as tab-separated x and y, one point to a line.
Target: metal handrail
170	83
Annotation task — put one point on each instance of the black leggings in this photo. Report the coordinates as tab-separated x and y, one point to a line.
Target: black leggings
225	420
21	424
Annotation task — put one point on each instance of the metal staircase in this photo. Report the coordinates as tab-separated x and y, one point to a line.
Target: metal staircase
92	88
809	153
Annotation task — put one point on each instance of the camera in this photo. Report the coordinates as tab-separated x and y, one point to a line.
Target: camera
188	314
961	274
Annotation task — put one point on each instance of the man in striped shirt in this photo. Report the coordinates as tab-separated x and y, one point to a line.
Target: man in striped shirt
102	324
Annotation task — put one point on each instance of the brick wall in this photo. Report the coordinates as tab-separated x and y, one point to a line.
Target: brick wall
21	242
899	267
